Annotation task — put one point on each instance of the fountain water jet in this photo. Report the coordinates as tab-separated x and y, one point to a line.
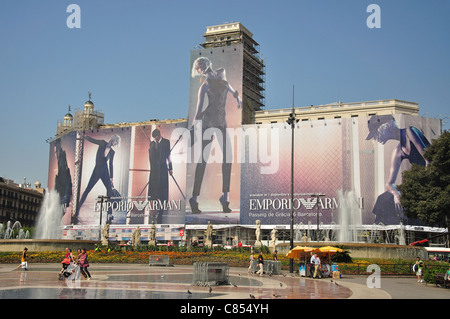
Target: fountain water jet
9	231
349	217
49	219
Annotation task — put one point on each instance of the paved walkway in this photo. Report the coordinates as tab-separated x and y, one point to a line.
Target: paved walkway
139	281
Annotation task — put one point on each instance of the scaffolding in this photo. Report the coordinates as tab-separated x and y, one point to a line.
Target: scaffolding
253	82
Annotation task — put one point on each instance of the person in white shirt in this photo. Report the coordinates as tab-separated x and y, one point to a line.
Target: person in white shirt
316	262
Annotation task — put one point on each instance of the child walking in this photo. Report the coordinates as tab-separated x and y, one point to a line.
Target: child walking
23	261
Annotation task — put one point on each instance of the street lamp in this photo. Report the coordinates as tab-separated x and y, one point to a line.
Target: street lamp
101	199
292	121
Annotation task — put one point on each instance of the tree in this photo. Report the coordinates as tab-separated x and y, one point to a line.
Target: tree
425	191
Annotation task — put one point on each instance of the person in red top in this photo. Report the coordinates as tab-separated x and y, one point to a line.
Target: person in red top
68	259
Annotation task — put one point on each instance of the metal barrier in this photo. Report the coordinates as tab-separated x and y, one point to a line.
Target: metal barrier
158	260
210	273
272	267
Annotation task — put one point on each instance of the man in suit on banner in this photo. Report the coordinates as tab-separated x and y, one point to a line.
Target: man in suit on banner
160	168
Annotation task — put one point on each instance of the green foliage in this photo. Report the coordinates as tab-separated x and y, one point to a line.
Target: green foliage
342	257
263	249
425	191
430	272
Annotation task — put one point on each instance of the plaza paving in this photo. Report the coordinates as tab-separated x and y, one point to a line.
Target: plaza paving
139	281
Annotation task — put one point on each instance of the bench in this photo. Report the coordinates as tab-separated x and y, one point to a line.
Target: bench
440	279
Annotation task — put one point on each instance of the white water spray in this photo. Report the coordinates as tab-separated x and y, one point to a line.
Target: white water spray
349	217
49	219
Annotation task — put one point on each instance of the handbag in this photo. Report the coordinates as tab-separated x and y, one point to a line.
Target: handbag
66	261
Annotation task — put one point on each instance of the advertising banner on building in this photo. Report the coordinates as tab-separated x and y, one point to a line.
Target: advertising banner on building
105	162
157	175
61	172
345	170
126	176
215	111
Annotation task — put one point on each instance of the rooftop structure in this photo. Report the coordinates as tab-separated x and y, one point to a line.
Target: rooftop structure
337	110
253	81
83	120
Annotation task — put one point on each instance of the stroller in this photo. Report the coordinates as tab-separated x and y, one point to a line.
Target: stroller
71	271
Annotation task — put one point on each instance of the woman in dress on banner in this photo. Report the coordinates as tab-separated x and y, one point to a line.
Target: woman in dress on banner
216	88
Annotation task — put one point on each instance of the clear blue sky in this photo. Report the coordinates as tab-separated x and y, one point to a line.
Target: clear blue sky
134	57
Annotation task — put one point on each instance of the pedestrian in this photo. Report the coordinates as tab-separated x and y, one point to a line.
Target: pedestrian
447	274
68	259
84	264
274	257
418	268
252	260
316	262
311	265
77	261
23	260
260	264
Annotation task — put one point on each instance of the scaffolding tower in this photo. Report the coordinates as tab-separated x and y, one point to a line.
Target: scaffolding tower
253	82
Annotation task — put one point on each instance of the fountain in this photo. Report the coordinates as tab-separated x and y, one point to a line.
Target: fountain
48	231
374	234
13	232
349	217
333	232
401	235
49	219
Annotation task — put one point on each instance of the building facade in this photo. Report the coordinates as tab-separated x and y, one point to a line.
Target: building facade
18	203
338	111
228	162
